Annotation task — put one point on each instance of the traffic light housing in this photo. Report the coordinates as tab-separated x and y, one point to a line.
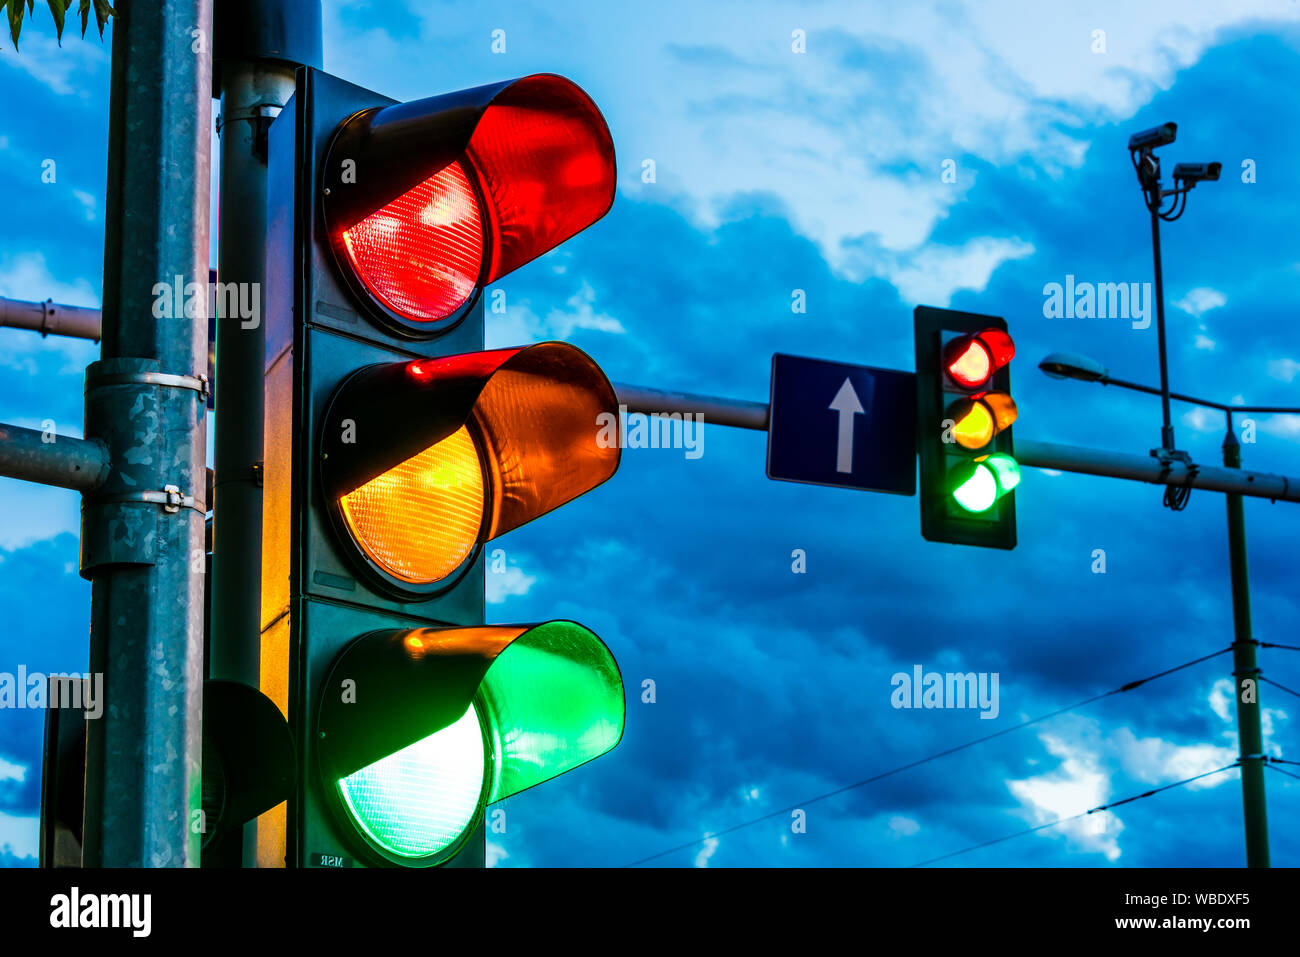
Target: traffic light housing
396	447
968	471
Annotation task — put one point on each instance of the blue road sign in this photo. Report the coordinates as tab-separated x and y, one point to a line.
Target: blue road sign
850	426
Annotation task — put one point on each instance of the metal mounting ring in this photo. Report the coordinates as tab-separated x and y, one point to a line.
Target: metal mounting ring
199	383
170	498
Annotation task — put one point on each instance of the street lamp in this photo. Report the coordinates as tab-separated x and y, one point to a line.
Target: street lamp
1070	365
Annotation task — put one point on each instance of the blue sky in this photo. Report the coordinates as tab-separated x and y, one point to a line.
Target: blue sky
820	171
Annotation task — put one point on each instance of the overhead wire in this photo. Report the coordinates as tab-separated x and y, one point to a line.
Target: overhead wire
1130	686
1075	817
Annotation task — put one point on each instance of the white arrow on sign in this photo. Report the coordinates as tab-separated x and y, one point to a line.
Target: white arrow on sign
847	405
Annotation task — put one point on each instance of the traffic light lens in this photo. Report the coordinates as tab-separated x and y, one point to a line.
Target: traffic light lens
969	363
418	801
420	519
973	426
422	253
1005	469
978	492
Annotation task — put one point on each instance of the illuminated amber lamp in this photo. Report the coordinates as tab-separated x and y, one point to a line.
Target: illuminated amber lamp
423	461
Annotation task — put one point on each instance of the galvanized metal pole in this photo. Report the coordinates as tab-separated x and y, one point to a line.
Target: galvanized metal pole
1245	672
142	530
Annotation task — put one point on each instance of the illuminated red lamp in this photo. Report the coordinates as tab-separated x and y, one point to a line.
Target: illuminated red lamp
971	360
429	201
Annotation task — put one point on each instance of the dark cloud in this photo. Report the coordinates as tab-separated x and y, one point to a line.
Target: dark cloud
774	687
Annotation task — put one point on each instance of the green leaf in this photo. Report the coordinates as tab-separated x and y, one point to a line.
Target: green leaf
15	20
57	9
85	12
103	10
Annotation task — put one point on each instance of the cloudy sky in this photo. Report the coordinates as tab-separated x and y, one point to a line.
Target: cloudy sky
803	147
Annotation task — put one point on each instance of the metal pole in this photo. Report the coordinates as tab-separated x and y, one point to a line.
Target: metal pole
50	318
142	531
52	459
251	96
734	412
1245	671
1167	429
741	414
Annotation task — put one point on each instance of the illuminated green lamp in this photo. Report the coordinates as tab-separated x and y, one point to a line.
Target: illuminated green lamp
439	723
978	483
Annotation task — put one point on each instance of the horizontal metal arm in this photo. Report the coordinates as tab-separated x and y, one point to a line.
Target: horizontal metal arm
734	412
33	456
1142	468
50	318
1045	455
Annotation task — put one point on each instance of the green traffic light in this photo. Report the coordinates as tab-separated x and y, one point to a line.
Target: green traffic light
981	483
532	701
418	801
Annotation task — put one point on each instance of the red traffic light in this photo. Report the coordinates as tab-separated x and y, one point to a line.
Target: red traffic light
970	360
427	202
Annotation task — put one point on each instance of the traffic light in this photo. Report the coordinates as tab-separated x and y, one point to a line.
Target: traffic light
397	447
964	417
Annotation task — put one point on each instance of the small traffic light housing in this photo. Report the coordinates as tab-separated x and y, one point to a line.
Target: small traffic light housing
968	472
396	446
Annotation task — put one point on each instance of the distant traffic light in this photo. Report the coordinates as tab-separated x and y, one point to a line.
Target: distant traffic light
396	447
964	417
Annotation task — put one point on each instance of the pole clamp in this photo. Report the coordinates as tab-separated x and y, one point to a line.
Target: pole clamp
1166	458
170	498
199	383
1253	757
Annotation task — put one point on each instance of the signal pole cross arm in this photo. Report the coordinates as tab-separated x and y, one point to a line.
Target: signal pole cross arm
743	414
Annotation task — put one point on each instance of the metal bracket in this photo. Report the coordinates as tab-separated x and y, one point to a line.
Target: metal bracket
261	116
170	498
1166	458
199	383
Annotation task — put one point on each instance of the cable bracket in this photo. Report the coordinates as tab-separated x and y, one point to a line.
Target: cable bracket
170	498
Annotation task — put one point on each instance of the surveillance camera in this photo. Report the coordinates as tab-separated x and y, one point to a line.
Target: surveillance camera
1161	135
1196	172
